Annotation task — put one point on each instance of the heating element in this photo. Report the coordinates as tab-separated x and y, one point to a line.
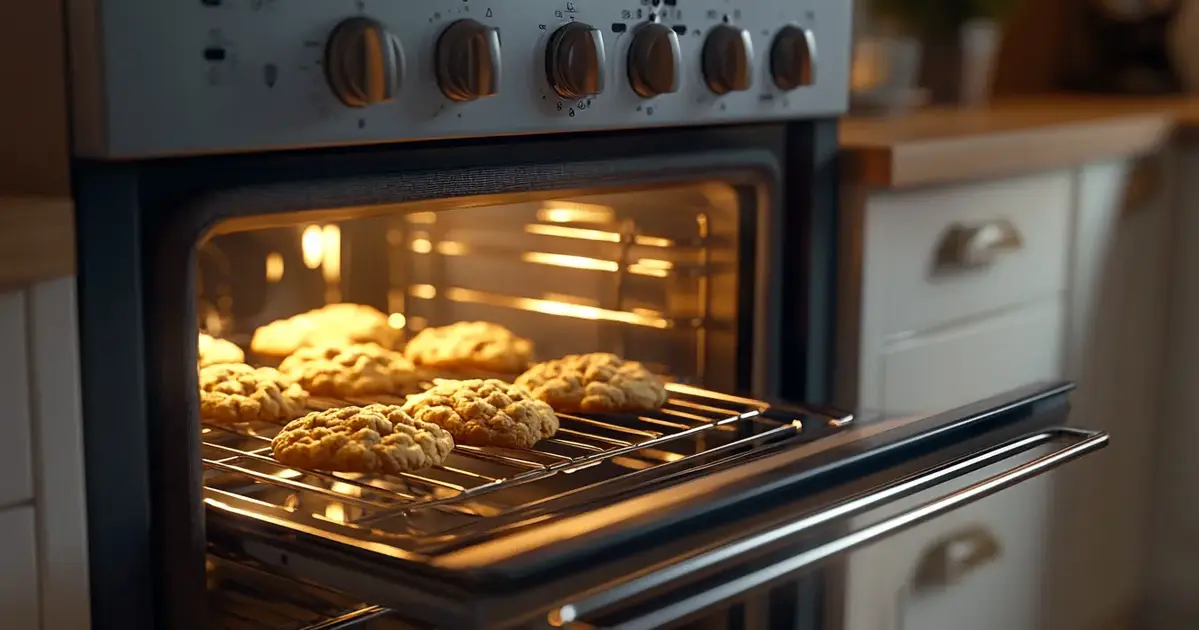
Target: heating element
480	489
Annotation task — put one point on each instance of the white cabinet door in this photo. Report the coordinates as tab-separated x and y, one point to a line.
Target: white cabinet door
964	364
934	372
18	570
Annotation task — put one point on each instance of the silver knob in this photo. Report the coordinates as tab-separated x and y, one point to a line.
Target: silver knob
793	58
728	59
654	59
468	61
364	63
574	61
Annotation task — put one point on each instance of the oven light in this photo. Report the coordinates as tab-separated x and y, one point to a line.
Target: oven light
396	320
653	241
312	245
648	271
348	489
647	318
422	246
569	232
651	267
335	512
331	260
654	263
573	262
424	218
452	248
584	234
570	212
274	267
423	291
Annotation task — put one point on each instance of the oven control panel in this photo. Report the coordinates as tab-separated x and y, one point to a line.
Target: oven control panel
178	77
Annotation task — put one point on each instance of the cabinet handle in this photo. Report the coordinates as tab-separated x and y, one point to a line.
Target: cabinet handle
977	245
953	558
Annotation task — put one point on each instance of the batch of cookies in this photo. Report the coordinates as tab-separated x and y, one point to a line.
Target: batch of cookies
348	351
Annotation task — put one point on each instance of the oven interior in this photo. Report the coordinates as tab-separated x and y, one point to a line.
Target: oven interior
664	275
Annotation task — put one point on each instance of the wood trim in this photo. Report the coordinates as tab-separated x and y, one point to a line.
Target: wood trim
37	240
940	145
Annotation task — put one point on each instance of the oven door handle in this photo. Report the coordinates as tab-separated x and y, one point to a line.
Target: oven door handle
1074	443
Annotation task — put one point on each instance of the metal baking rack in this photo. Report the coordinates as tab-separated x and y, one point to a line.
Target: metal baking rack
693	429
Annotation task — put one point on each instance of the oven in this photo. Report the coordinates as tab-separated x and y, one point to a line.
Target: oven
655	180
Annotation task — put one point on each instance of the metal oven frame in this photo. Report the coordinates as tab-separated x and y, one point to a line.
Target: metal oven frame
138	223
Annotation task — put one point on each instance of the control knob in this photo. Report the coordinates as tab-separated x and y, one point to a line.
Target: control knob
793	58
728	59
468	61
654	58
364	62
574	61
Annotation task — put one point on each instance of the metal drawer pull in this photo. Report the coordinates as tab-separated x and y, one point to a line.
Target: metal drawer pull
979	245
1075	443
954	557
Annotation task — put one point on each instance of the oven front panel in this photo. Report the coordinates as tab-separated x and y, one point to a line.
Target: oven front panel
140	224
179	77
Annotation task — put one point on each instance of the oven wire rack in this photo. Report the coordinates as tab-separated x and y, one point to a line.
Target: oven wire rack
693	428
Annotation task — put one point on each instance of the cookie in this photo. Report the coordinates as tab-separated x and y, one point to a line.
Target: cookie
236	392
470	346
332	324
214	351
355	370
597	382
370	439
485	413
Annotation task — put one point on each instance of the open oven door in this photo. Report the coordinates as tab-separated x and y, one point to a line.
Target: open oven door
662	551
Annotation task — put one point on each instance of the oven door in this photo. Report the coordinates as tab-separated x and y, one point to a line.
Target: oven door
703	539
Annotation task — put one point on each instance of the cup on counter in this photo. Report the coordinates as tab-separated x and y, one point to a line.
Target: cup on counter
884	74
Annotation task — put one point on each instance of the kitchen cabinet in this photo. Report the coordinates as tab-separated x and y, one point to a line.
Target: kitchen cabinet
18	569
1065	294
43	530
1173	581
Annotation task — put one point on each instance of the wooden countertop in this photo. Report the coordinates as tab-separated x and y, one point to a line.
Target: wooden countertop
940	145
37	240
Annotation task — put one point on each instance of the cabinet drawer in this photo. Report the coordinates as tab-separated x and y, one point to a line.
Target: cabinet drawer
906	233
960	365
1001	592
18	569
16	472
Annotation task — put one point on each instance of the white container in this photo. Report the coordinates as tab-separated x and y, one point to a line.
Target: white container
980	47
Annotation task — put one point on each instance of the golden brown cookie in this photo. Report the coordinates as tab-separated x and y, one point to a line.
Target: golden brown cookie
598	382
485	413
371	439
214	351
332	324
355	370
235	392
470	346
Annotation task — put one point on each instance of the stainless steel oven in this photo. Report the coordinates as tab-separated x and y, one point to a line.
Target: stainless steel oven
655	179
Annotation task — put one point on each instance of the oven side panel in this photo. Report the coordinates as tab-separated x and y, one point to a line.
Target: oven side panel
112	372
